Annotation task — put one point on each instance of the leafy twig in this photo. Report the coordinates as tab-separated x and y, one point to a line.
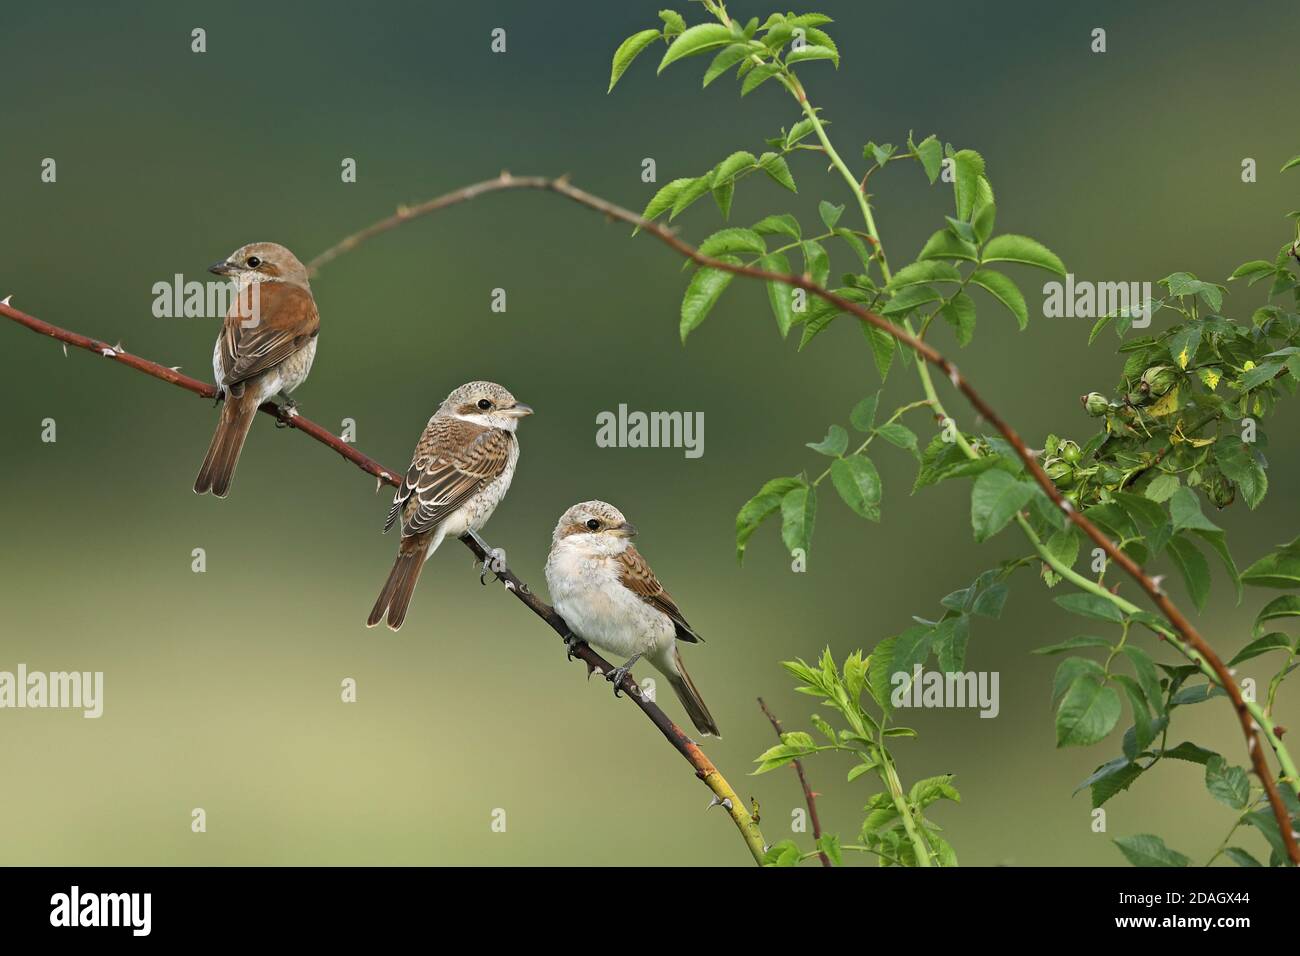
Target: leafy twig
809	796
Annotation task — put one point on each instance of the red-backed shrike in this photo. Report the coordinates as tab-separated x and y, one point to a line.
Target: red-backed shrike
610	598
461	469
266	347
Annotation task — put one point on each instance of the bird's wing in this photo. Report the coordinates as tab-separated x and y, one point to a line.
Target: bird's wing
453	460
637	577
286	320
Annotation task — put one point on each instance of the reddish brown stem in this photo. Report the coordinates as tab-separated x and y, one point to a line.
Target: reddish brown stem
809	797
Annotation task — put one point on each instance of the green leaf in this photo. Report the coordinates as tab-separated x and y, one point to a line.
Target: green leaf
776	167
1146	849
879	673
759	508
691	191
1239	465
627	52
1227	784
1111	778
1240	856
733	239
995	500
727	58
830	213
858	483
1290	164
927	791
757	77
784	224
1088	713
1185	508
1252	268
722	195
944	245
733	164
982	224
959	312
1288	605
829	844
673	22
816	263
1280	569
703	292
930	152
836	440
883	348
784	853
1190	752
1162	487
779	295
1073	643
968	172
900	436
1275	641
811	53
1005	291
1194	569
664	198
1148	679
863	416
697	39
798	515
1022	249
1090	605
924	270
951	636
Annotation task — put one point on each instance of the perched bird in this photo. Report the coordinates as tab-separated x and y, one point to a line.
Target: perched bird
266	347
610	598
461	469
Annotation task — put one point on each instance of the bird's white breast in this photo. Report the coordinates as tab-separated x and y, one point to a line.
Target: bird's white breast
588	594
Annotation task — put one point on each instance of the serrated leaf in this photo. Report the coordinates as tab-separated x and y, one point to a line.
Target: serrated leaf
1088	712
702	294
733	164
784	224
1239	465
1090	605
1193	567
834	444
1227	784
1005	291
959	312
996	498
1275	641
830	213
1072	644
930	153
727	58
944	245
628	51
1288	605
664	198
858	483
811	53
759	508
1013	248
863	416
1146	849
779	295
798	515
776	167
733	239
696	39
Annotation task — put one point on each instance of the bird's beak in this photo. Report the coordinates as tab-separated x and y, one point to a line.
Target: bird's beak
625	530
222	268
518	410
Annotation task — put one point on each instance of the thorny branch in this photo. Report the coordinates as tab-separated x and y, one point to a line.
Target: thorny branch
1187	637
723	794
1184	633
808	795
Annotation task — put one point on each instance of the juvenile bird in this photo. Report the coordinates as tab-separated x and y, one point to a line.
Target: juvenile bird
461	469
266	347
610	598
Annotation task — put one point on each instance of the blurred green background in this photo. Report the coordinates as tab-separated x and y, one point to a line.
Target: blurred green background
222	688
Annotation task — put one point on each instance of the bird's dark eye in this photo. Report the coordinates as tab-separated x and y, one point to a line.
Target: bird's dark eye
593	524
484	404
254	262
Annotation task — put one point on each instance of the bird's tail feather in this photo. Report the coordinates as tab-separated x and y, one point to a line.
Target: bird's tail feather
218	468
690	697
395	598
